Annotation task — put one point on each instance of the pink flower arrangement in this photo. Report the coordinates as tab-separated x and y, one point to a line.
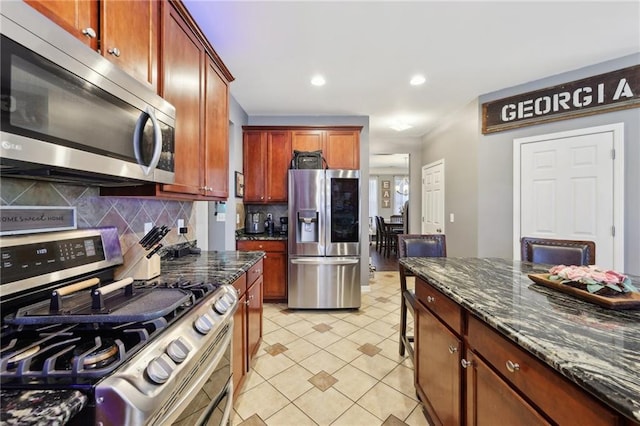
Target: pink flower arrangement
594	278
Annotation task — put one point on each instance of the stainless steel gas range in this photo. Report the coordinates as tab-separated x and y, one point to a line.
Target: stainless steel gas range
141	352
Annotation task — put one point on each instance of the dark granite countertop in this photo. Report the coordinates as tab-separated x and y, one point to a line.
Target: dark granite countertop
242	236
594	347
58	406
213	266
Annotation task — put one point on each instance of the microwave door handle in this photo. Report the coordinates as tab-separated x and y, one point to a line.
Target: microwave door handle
157	140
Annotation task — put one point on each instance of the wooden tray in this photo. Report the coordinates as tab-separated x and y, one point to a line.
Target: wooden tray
626	301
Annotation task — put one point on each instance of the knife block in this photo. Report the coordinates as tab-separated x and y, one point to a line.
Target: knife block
146	269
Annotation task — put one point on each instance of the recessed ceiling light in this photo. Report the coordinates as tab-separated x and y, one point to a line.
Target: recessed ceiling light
318	80
400	126
417	80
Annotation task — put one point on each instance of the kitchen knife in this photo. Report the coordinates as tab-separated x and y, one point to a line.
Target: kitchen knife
145	240
155	238
154	251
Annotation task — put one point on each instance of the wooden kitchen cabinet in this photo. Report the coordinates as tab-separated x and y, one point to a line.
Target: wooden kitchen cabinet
196	82
491	401
124	31
340	146
275	266
239	342
247	327
266	161
527	377
438	374
342	149
307	140
496	382
254	317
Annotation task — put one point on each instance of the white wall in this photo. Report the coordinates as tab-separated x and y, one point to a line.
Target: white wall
496	156
456	141
479	170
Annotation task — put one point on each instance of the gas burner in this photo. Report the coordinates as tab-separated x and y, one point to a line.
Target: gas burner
97	354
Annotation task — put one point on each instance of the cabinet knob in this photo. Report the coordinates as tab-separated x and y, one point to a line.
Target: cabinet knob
464	363
89	32
431	299
452	349
512	366
247	303
114	51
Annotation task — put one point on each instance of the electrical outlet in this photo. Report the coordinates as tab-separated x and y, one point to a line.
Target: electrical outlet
147	227
180	223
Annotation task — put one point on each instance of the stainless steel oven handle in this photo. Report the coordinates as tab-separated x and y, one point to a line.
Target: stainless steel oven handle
157	140
325	261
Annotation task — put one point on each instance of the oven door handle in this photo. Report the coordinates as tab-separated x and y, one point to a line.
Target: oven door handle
157	140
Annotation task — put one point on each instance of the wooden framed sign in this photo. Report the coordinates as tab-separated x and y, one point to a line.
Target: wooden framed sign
601	93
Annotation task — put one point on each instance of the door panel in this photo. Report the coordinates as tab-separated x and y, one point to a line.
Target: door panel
567	190
433	198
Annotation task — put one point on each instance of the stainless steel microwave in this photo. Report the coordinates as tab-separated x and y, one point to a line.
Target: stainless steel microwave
70	115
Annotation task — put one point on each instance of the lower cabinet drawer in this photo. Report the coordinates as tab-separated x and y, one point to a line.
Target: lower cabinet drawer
255	272
446	309
561	400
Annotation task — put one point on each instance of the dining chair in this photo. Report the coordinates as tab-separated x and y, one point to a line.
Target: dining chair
558	252
414	245
389	233
378	234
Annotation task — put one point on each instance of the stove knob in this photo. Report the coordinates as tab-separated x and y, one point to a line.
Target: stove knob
221	306
230	298
178	350
160	368
203	324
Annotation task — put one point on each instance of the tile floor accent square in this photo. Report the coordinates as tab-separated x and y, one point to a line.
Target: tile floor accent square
276	349
369	349
323	380
322	328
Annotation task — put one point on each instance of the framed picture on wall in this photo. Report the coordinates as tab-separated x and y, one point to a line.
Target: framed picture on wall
239	185
385	187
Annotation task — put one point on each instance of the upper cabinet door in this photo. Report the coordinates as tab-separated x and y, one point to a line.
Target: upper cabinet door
342	149
254	154
216	158
278	162
78	17
129	36
307	140
182	83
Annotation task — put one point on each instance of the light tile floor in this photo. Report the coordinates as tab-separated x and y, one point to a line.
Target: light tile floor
339	368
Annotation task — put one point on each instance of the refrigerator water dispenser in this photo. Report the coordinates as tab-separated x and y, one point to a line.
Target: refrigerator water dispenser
307	226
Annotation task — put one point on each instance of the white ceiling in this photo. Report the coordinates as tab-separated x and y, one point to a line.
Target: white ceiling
368	51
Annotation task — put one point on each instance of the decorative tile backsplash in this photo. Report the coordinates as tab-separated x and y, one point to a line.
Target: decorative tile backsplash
127	214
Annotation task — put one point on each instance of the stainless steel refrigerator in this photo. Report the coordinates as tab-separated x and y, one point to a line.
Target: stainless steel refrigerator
324	239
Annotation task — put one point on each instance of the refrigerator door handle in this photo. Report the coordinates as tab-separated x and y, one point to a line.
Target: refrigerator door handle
325	261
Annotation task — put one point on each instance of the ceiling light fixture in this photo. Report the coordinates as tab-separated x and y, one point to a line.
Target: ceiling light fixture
400	126
318	80
417	80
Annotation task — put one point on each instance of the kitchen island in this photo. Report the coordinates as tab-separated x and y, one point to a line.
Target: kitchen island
595	348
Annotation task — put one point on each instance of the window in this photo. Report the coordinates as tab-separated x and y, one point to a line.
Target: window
401	192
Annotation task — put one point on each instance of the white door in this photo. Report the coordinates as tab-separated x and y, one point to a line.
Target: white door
433	198
568	188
